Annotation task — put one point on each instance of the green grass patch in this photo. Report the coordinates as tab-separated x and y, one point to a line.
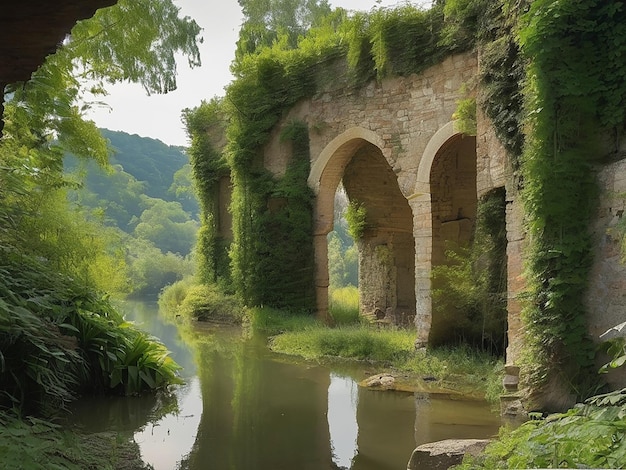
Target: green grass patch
344	305
271	321
353	342
459	367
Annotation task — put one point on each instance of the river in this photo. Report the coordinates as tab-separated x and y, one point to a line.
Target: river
245	407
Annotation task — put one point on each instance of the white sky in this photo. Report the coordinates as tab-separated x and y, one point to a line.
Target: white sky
158	116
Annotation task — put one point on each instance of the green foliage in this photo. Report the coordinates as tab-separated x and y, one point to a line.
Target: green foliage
344	305
36	444
469	20
471	287
59	338
272	253
574	89
208	303
205	127
587	436
406	39
172	296
266	22
356	216
272	321
167	226
162	234
150	270
139	167
146	37
502	74
616	349
465	116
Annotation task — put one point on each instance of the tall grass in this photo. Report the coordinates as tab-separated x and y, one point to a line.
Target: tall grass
271	321
344	305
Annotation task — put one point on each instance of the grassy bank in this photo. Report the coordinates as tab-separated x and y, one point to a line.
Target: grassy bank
458	368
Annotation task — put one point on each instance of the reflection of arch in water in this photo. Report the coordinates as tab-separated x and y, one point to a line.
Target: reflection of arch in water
343	400
387	249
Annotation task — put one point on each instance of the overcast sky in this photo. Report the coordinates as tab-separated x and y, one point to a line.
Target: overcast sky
158	116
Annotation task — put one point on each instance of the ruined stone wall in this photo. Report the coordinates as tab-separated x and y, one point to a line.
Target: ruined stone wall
606	297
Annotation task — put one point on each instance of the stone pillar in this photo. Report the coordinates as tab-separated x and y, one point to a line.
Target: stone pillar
515	276
377	276
322	282
422	231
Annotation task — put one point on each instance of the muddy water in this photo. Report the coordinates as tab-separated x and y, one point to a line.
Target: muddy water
244	407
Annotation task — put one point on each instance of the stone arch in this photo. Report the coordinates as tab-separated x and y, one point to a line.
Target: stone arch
357	156
427	218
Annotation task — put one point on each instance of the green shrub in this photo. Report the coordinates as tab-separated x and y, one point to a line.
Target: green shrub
59	338
209	303
587	436
172	296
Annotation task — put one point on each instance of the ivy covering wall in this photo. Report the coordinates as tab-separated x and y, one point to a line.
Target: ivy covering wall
575	91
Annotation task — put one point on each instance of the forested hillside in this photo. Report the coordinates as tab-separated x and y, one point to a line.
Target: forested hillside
146	197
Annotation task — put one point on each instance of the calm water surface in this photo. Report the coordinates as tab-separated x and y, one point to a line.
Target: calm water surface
244	407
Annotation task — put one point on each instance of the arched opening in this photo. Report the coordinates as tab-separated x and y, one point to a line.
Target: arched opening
386	247
454	210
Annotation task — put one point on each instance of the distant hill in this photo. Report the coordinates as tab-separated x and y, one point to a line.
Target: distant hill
148	160
141	166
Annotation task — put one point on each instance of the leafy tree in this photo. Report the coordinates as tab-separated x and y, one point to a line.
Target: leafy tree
150	269
183	190
265	21
167	226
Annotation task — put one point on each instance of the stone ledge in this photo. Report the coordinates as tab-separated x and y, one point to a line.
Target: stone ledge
442	455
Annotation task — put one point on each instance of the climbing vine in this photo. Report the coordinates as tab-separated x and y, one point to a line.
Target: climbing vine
204	126
575	89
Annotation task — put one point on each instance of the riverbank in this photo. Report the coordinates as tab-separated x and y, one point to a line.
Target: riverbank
458	370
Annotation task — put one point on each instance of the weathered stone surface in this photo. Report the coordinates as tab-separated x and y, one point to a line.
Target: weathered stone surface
442	455
380	381
606	296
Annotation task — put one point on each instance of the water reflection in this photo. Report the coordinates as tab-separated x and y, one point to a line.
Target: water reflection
246	408
343	401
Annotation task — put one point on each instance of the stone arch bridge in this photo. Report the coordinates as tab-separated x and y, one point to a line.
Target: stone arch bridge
394	146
